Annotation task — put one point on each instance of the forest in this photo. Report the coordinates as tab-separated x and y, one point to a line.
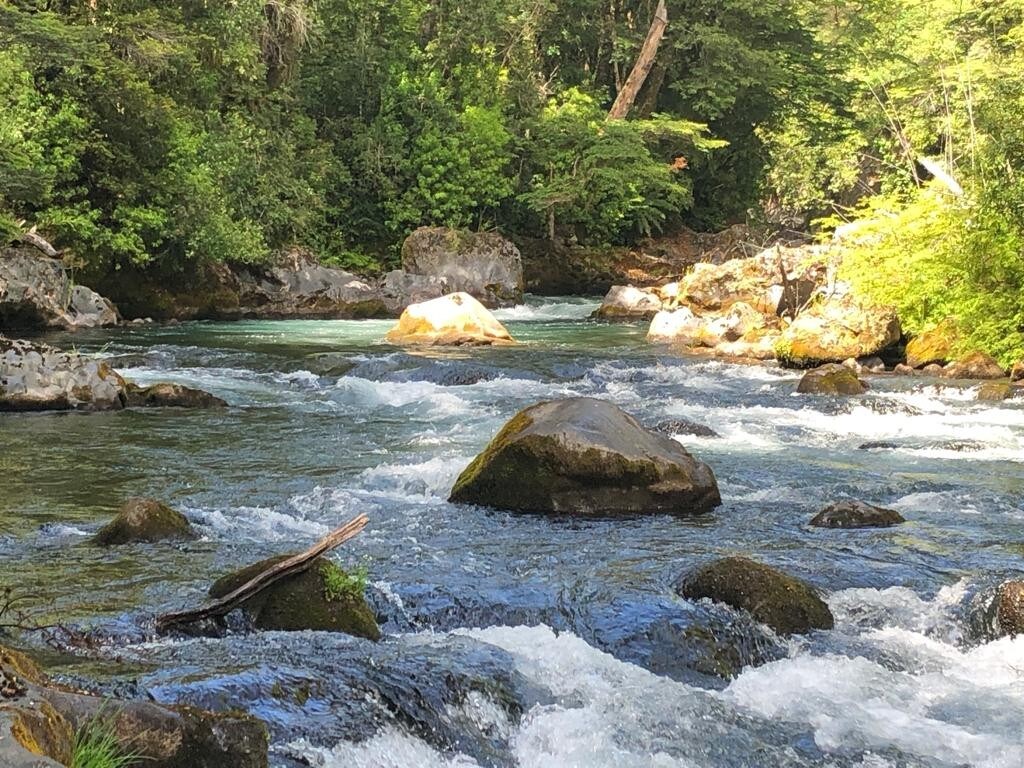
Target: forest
173	133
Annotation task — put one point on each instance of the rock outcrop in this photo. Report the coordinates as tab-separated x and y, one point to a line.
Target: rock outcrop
309	600
144	520
784	603
585	456
36	293
626	302
856	514
297	285
836	329
39	722
976	365
41	378
401	289
453	320
831	379
483	264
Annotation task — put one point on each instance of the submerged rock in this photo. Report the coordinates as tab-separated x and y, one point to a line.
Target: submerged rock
977	365
831	379
453	320
39	723
585	456
168	395
321	598
141	519
483	264
36	292
35	377
856	514
836	329
935	345
625	302
996	391
784	603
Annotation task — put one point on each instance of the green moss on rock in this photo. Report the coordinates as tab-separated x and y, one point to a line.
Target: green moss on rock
142	519
784	603
936	345
832	379
302	601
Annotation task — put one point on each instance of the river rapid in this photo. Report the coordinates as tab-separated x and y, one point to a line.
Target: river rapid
523	640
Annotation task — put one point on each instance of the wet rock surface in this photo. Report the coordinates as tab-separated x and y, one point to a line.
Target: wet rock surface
832	379
145	520
170	395
784	603
856	514
586	456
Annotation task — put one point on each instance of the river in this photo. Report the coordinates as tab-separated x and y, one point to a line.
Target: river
521	640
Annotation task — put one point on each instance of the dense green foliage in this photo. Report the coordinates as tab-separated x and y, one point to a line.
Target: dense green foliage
139	132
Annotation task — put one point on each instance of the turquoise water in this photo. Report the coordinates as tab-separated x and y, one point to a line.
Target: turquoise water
523	640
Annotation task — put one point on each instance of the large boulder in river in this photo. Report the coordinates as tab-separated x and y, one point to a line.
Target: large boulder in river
297	285
483	264
977	365
625	302
856	514
835	330
585	456
39	378
935	345
145	520
784	603
453	320
169	395
321	598
36	292
678	326
831	379
39	722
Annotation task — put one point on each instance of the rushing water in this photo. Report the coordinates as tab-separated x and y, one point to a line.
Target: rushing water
528	641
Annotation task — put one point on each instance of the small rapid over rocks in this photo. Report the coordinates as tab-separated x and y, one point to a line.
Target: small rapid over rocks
536	641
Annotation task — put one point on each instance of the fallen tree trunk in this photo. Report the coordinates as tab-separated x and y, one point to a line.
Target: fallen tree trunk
33	238
295	564
644	61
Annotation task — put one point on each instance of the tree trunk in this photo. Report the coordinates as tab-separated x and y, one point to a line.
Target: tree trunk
644	62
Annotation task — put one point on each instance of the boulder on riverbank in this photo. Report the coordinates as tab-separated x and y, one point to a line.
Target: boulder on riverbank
585	456
453	320
170	395
145	520
35	377
483	264
784	603
976	365
36	293
835	330
831	379
856	514
321	598
626	302
401	289
934	346
39	722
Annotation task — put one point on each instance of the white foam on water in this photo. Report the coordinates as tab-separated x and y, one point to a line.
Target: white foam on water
433	399
391	748
427	481
260	523
578	309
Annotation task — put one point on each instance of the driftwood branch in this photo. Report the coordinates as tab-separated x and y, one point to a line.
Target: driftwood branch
33	238
644	61
295	564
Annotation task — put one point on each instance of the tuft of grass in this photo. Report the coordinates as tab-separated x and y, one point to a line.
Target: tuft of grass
96	746
339	583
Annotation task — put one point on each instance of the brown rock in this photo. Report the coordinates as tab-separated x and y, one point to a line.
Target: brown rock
831	379
142	519
977	365
856	514
168	395
935	345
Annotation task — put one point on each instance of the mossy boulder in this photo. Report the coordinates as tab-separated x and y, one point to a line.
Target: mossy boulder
168	395
831	379
835	330
784	603
856	514
936	345
302	601
585	456
141	519
976	365
996	391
